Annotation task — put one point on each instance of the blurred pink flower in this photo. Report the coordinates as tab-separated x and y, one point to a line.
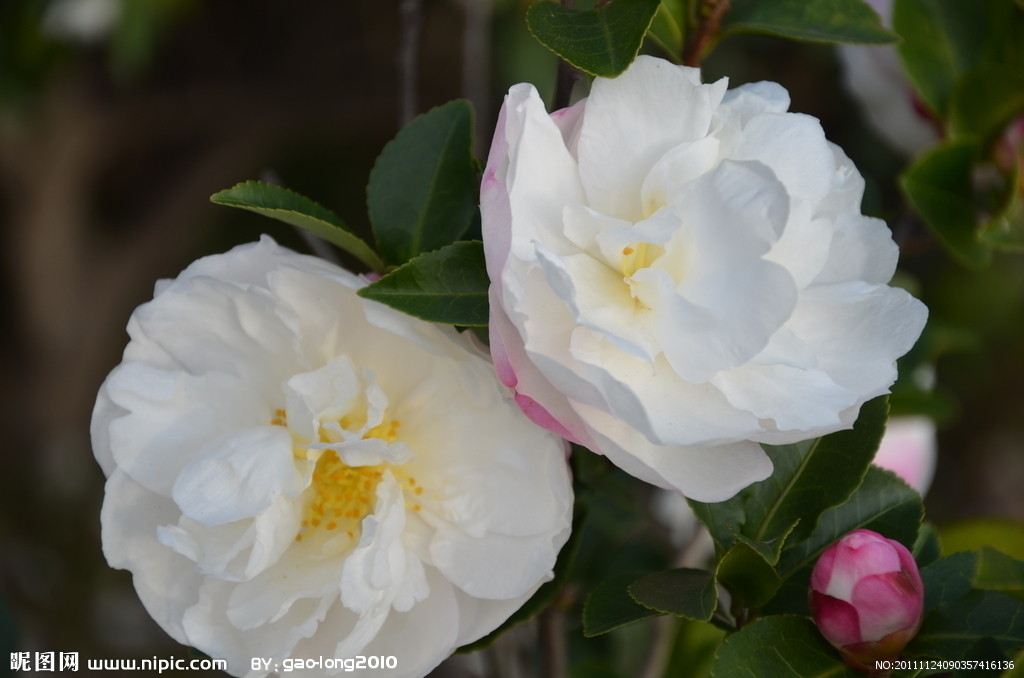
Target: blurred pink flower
908	449
866	598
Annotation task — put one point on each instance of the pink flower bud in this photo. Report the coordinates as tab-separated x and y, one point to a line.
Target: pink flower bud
866	598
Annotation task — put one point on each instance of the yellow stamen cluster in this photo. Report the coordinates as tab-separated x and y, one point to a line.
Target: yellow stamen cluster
343	495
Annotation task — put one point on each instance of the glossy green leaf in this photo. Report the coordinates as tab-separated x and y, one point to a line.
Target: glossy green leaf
844	21
422	193
682	592
779	647
948	579
941	42
938	185
996	571
883	503
750	579
971	597
927	548
809	477
951	630
693	649
668	28
601	41
296	210
610	606
448	286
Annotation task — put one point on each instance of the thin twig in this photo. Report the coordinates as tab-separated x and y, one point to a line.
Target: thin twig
566	77
476	66
552	632
564	85
408	51
694	51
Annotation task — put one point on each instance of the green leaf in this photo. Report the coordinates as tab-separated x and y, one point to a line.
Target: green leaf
1005	231
952	630
693	649
996	571
938	185
985	100
948	579
883	503
610	605
750	578
422	193
779	647
601	41
1018	665
668	28
445	286
809	477
927	548
941	41
846	21
291	208
682	592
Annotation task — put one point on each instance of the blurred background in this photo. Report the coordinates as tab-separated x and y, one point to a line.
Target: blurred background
118	120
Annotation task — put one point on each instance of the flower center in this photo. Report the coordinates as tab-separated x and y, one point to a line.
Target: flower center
343	495
637	256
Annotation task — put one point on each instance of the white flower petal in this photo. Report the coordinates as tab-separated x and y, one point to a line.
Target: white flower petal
794	147
166	584
632	121
858	331
282	499
170	416
268	597
796	399
713	285
238	476
861	249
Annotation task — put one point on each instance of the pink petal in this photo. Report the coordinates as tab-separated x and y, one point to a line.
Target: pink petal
538	415
836	619
887	603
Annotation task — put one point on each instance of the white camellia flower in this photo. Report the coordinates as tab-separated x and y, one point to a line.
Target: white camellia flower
681	272
296	472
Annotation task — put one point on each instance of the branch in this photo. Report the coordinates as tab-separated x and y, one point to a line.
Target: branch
408	50
694	51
